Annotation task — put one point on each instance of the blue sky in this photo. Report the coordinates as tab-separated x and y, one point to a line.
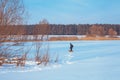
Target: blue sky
74	11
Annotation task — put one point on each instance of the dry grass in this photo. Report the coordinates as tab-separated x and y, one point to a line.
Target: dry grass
63	38
45	59
99	38
19	61
2	60
42	59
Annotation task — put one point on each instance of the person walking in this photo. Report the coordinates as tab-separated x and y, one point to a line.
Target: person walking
71	47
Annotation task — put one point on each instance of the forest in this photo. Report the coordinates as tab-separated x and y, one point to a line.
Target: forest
73	29
61	29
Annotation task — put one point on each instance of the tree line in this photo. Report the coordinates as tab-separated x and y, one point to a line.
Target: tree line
54	29
73	29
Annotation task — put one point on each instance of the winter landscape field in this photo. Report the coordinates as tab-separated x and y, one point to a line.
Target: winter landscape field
59	40
90	60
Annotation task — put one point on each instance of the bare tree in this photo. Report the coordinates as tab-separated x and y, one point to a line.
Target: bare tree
11	12
96	31
41	30
112	32
100	31
93	30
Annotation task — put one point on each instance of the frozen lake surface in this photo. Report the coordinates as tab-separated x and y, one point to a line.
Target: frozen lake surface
90	60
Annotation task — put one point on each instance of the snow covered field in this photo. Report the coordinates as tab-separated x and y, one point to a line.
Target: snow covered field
90	60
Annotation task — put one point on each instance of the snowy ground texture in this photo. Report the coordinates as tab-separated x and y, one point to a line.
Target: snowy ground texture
90	60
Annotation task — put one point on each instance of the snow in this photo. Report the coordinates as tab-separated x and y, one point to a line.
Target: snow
90	60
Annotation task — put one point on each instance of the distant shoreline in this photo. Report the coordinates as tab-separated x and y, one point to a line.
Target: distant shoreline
100	38
75	38
28	38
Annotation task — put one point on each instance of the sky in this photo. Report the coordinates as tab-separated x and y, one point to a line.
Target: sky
73	11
